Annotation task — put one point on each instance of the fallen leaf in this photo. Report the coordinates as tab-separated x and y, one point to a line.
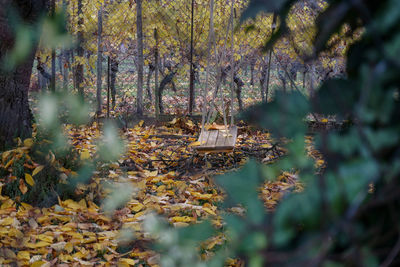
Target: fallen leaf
29	180
85	154
37	170
22	187
28	142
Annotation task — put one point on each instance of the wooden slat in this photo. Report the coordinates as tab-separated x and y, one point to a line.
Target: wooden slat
212	138
217	140
231	140
222	138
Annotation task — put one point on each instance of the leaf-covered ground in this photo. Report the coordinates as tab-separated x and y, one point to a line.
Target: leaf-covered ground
168	177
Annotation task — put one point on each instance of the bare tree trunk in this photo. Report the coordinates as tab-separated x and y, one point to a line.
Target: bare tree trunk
79	51
15	114
99	59
113	77
191	84
148	89
312	80
156	59
263	77
53	53
45	76
139	26
65	56
273	26
252	65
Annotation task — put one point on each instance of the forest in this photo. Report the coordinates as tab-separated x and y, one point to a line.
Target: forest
199	133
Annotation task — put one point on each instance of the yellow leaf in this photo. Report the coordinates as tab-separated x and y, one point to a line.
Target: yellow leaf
141	123
85	154
46	238
181	219
37	170
38	264
7	221
82	203
137	207
202	196
69	247
128	261
39	244
190	123
197	143
151	174
5	155
210	211
9	163
28	142
7	204
22	187
23	255
29	180
266	146
324	120
26	206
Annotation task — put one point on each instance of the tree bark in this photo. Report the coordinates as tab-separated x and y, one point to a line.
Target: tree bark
113	77
139	27
15	114
53	53
156	63
99	59
79	51
149	74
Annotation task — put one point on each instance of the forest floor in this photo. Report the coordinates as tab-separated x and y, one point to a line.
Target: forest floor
168	178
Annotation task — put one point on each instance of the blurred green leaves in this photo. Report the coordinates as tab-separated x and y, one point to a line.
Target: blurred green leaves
283	116
49	30
110	147
337	219
120	194
241	188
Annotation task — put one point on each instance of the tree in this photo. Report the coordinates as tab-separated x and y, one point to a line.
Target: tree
80	51
15	114
140	57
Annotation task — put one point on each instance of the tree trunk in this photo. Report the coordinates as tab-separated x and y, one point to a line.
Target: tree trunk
264	78
113	77
156	59
65	55
15	114
99	59
53	53
139	26
252	65
149	74
191	81
79	51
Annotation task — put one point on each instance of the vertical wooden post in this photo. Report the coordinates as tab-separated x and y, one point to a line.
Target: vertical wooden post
108	85
99	58
232	63
191	85
273	26
53	53
139	28
156	59
210	45
65	52
80	51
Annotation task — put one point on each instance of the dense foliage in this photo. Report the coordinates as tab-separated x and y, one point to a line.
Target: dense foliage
348	212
